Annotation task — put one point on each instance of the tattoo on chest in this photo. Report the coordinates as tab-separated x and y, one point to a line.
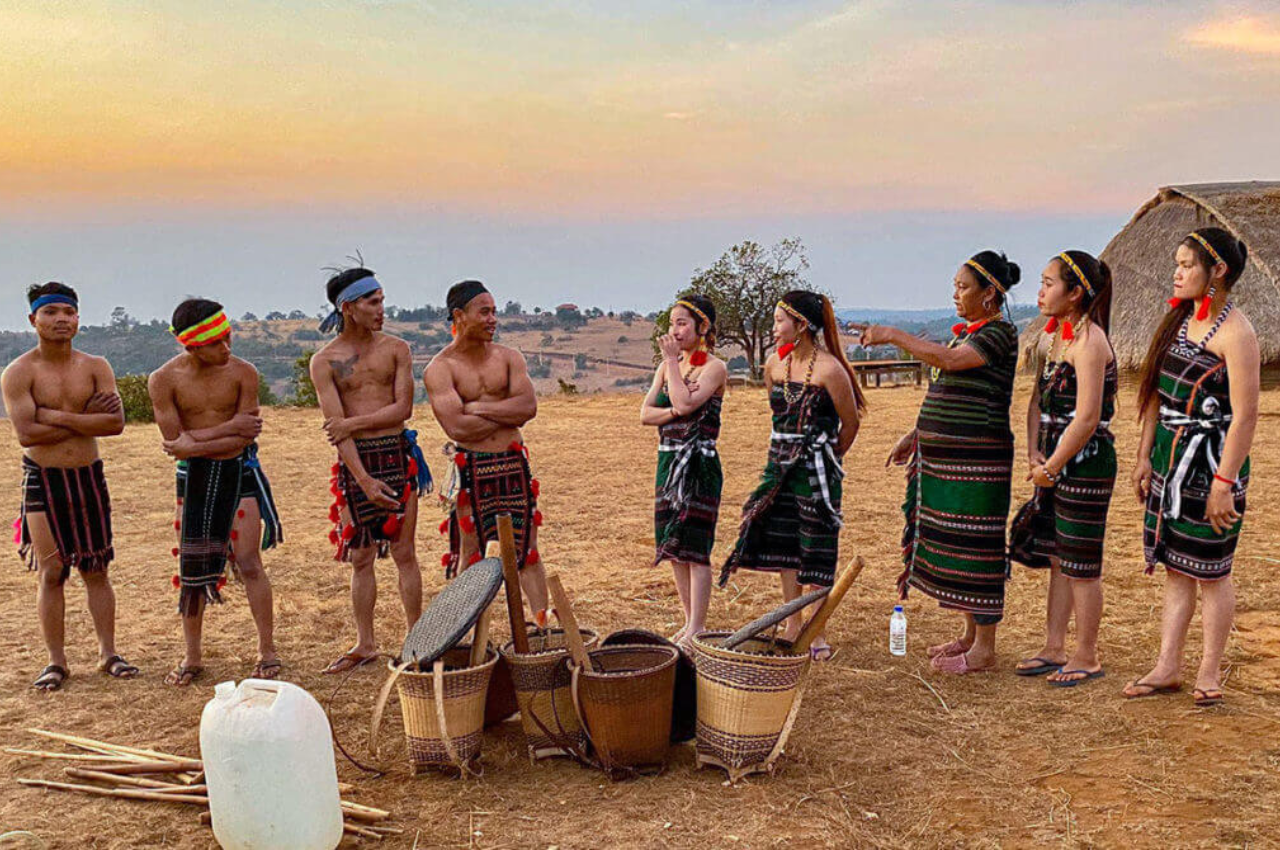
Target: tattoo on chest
344	368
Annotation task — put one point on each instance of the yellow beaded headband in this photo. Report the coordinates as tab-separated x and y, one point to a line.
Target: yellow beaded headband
974	264
797	315
695	311
1217	258
1083	280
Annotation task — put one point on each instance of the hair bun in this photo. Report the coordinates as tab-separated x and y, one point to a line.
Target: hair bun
1015	273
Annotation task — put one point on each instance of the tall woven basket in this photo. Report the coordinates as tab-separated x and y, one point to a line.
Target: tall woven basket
625	705
747	702
444	711
542	683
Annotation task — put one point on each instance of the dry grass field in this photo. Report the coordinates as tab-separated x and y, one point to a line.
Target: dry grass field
885	753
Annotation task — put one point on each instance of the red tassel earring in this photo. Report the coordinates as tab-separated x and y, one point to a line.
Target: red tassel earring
1202	312
1068	332
785	349
1051	325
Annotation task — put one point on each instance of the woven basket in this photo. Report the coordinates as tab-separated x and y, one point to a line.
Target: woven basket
747	702
542	684
626	708
442	728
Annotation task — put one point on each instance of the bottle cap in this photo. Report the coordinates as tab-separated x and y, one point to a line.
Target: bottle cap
224	690
897	609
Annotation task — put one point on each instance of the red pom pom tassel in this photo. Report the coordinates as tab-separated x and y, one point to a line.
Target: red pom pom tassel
391	526
235	535
463	499
475	556
412	468
444	560
785	349
334	514
532	558
1068	332
174	551
222	582
537	518
177	582
1051	325
957	328
177	525
467	524
698	358
535	487
1175	302
1202	312
240	514
333	537
348	532
444	527
460	460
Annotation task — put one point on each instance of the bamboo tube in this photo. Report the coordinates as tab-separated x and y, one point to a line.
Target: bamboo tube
151	767
91	757
511	578
385	830
818	621
361	831
382	814
190	799
564	611
136	781
108	748
363	817
346	788
480	639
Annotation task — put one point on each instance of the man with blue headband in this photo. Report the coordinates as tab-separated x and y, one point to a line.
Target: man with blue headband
60	401
364	381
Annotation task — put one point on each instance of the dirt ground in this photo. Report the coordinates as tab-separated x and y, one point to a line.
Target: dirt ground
885	753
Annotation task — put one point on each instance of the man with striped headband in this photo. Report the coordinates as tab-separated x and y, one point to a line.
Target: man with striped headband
206	406
60	401
364	381
481	395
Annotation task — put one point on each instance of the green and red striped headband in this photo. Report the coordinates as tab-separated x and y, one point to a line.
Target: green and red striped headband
205	331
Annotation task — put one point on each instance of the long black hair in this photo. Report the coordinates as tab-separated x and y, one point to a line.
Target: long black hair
1236	255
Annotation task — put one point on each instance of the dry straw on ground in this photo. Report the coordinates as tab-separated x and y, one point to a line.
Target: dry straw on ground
885	753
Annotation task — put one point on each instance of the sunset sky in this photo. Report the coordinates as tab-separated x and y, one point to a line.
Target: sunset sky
599	152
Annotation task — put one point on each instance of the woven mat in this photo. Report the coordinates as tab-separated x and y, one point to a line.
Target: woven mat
453	612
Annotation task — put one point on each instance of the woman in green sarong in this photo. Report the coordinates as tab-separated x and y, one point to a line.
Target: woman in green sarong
960	461
684	404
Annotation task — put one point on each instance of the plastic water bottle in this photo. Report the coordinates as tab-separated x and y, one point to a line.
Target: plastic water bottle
898	632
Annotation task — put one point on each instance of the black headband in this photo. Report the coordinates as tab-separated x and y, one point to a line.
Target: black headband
460	294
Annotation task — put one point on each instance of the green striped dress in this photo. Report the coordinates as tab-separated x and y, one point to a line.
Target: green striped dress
957	500
686	501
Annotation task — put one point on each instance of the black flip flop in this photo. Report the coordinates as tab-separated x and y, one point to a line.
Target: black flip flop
47	682
1046	666
1071	683
1205	697
117	668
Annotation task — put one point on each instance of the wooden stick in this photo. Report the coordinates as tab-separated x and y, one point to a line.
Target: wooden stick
136	781
480	638
125	793
818	621
511	578
93	757
363	816
352	829
564	611
346	788
108	748
388	830
151	767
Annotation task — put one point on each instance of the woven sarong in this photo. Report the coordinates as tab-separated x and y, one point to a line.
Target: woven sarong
210	500
253	485
493	483
686	501
1195	413
1069	520
76	503
792	520
396	461
958	480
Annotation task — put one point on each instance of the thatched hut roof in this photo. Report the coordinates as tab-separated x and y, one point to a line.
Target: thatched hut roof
1140	257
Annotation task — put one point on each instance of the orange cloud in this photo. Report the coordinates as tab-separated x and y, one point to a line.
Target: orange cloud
1243	35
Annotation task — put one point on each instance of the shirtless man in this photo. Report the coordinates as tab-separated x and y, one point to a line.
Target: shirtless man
481	394
364	381
60	401
206	406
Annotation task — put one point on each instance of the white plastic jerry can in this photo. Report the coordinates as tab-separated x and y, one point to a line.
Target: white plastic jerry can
269	765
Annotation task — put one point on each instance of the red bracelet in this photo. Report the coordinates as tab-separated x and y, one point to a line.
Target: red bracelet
1230	482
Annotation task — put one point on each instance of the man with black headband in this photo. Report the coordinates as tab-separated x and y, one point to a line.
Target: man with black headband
364	381
481	394
206	407
60	401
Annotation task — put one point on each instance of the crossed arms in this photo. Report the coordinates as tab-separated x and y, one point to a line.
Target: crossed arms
225	438
472	421
102	416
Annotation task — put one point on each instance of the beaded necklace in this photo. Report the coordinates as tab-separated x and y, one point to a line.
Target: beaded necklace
787	394
1204	340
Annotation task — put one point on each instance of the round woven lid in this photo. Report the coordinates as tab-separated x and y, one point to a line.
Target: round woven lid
453	612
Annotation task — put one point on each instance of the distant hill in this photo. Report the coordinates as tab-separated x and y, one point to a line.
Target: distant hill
934	324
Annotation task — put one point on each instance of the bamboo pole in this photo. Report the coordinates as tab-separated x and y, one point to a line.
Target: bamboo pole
480	639
380	813
151	767
125	793
136	781
91	757
136	753
564	611
363	832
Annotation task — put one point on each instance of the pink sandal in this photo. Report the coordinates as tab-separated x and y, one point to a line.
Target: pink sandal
956	664
947	649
